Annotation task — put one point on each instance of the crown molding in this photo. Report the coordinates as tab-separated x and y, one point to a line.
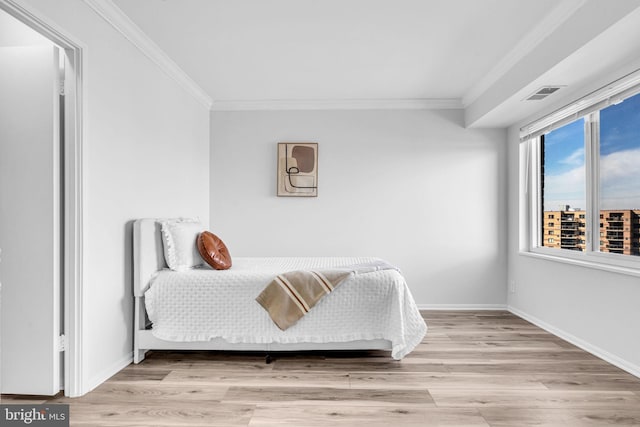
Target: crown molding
554	19
337	104
121	22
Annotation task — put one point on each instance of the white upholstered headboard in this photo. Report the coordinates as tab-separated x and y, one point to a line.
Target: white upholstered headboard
148	253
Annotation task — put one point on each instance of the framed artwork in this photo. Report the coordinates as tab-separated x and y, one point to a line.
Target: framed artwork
298	169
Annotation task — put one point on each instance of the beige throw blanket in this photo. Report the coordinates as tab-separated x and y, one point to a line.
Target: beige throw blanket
291	295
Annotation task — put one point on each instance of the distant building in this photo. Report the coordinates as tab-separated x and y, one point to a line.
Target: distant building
619	230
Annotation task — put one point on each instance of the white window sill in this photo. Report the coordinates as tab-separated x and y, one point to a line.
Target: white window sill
588	261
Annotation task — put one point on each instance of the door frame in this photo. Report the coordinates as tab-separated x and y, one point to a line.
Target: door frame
73	188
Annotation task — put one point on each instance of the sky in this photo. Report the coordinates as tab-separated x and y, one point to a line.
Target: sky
619	160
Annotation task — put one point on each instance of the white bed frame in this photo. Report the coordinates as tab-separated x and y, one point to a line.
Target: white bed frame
148	258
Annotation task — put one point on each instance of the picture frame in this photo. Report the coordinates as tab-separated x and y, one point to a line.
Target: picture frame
297	169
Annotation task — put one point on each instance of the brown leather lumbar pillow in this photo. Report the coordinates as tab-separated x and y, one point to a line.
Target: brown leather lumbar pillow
214	251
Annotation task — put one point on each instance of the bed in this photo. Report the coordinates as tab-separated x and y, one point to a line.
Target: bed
206	309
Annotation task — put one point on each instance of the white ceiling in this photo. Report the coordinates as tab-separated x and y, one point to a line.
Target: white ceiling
615	51
336	49
345	50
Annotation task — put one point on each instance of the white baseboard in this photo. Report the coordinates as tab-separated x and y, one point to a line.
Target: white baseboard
595	350
462	306
107	373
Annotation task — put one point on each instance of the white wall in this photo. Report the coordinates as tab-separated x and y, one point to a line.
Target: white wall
15	33
413	187
146	152
595	309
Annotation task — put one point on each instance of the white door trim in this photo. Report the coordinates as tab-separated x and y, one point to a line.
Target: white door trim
73	188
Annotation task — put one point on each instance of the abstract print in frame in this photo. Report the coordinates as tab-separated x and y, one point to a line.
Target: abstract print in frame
298	169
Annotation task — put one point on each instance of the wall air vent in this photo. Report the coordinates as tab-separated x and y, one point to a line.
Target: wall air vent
542	93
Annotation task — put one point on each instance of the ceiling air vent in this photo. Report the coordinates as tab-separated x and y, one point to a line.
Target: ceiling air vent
542	93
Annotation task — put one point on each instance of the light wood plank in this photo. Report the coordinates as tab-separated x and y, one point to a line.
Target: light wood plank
587	381
509	417
159	360
335	396
356	365
135	374
466	335
323	415
123	393
161	414
298	379
464	382
486	346
559	368
535	399
17	399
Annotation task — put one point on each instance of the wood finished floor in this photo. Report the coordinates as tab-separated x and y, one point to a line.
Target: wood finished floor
486	368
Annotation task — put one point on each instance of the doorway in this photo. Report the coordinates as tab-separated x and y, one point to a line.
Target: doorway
30	211
41	206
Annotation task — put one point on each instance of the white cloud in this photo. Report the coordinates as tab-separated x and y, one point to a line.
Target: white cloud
619	178
567	188
574	159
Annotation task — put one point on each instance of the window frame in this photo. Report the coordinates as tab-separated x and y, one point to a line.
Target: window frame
535	216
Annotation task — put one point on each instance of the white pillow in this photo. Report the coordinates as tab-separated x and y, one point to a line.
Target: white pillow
179	239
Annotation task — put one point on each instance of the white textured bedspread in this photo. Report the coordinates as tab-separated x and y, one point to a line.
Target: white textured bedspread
201	304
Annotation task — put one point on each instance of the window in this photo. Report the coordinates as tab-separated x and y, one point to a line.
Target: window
562	179
619	159
584	170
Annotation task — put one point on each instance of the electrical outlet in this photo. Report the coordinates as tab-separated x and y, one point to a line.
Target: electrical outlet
512	286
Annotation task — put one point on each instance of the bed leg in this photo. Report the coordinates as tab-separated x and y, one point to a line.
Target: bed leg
139	322
138	356
268	359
